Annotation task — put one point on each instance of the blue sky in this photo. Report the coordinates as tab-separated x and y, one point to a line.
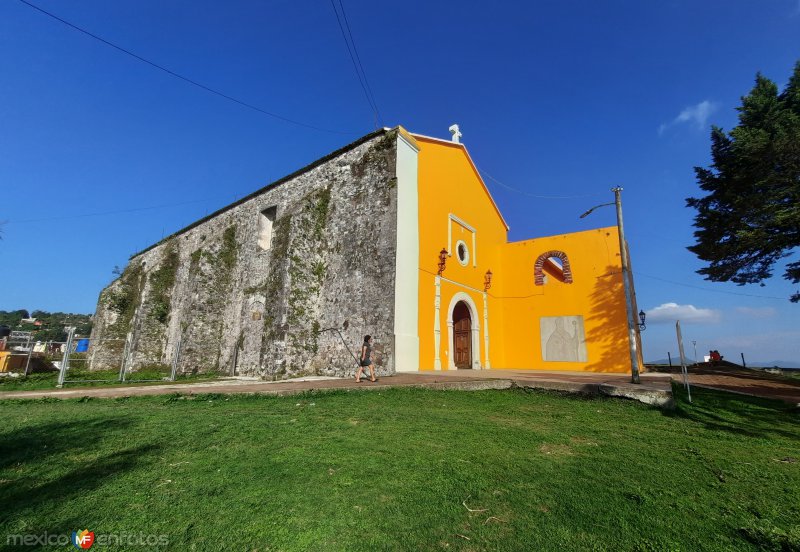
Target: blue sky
555	99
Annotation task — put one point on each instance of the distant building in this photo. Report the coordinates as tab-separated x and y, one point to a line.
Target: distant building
394	235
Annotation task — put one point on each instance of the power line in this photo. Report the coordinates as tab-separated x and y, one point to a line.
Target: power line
707	288
356	64
487	293
356	59
646	276
181	77
507	187
114	212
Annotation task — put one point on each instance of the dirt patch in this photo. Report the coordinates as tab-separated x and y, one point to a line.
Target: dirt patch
552	449
749	383
510	422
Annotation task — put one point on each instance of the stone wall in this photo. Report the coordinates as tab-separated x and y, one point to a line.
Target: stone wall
237	308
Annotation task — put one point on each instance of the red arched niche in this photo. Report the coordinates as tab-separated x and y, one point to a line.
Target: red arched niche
565	271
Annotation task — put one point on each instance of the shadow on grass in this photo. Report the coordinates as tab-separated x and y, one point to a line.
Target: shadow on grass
36	443
739	414
43	456
76	481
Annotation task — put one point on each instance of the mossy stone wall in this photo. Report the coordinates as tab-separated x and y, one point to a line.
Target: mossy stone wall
238	309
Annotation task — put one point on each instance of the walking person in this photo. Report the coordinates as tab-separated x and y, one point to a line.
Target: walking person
365	360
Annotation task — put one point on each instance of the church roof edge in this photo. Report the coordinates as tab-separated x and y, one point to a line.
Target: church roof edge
278	182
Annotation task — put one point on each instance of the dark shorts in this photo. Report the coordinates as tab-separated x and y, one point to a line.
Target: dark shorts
366	362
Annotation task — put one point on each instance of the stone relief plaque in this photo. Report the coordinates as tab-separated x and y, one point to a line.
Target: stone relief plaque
563	338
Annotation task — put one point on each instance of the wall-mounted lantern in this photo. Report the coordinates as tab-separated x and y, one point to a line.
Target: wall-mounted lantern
487	280
442	261
642	316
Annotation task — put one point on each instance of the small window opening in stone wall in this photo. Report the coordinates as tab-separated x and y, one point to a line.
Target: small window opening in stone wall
265	222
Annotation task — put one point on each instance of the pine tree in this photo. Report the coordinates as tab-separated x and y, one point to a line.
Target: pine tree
750	218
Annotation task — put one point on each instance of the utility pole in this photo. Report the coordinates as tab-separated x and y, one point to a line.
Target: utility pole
626	282
623	251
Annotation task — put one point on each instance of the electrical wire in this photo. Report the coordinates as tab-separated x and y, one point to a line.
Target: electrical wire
493	296
707	288
183	78
637	274
363	72
356	59
507	187
114	212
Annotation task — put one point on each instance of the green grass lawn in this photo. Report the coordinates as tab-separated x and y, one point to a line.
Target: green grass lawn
394	470
48	380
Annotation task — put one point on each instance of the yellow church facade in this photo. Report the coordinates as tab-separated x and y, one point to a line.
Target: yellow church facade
467	298
394	235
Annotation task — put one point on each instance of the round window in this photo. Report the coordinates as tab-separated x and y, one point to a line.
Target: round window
463	253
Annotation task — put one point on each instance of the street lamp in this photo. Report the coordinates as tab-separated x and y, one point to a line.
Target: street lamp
589	212
626	284
642	325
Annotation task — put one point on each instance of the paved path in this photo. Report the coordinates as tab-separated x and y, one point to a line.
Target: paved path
655	388
748	382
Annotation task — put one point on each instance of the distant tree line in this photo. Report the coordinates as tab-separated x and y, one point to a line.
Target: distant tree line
52	323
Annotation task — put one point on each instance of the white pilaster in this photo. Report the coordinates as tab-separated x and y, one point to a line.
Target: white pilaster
437	329
486	364
406	286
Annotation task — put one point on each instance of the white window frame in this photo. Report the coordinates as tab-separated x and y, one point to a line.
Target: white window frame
451	218
464	262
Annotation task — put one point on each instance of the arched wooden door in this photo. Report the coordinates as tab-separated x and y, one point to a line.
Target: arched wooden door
462	330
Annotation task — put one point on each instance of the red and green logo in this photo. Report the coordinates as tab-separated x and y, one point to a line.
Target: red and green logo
83	540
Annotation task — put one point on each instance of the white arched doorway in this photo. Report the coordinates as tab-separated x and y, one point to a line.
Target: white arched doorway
463	333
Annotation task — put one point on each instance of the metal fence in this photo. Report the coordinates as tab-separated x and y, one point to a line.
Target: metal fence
76	356
77	363
21	347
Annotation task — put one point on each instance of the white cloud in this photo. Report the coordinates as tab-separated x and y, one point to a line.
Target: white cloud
695	115
757	312
670	312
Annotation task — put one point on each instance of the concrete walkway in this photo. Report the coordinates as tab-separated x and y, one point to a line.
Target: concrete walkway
755	383
655	388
